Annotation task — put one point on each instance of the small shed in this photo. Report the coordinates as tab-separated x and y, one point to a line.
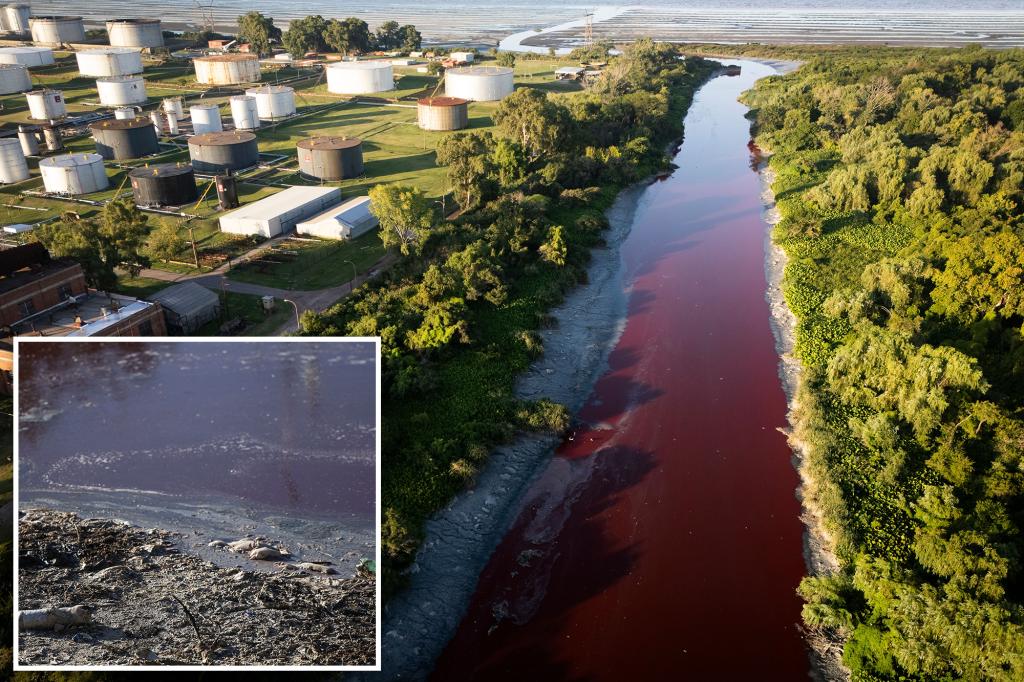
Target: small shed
563	73
187	307
347	221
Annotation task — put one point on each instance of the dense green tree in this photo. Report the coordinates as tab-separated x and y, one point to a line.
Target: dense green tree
166	242
388	36
410	39
532	120
405	216
258	31
506	59
348	36
305	35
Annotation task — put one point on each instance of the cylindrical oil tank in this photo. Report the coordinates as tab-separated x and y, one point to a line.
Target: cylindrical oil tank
331	158
46	104
13	167
172	123
158	121
479	83
116	91
227	191
74	174
27	139
118	139
14	78
360	78
16	18
124	113
57	30
218	152
109	61
244	113
26	56
53	139
135	33
273	102
165	184
173	105
205	119
227	69
442	113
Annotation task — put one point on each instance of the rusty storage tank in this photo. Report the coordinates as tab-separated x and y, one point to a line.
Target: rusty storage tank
227	69
218	152
125	138
331	158
164	184
135	33
227	191
442	113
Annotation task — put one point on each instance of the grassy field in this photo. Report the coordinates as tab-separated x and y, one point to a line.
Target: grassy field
250	309
306	264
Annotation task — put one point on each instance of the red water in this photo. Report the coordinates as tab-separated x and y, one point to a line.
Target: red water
663	541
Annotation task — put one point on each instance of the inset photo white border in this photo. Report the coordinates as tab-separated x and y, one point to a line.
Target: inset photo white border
19	340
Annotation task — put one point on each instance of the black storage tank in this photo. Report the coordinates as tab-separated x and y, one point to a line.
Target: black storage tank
125	138
331	158
164	184
218	152
227	191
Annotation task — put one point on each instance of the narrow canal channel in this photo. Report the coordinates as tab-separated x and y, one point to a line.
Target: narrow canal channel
663	540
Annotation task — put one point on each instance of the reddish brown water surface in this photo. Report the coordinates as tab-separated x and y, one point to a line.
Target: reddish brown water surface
663	541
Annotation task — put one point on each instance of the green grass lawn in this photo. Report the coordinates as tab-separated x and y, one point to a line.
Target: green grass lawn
313	264
250	309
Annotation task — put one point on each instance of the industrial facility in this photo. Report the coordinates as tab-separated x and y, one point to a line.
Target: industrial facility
227	69
109	61
331	158
219	152
360	78
14	18
442	113
56	30
205	119
46	105
345	221
244	113
279	213
117	91
479	83
26	56
273	102
187	307
118	139
14	78
74	174
135	33
165	184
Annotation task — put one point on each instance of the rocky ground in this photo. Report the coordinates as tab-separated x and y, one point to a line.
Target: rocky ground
150	603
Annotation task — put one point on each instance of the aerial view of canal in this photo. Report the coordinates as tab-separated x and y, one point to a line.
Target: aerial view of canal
663	539
214	440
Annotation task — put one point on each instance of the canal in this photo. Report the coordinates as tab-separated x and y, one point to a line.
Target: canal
663	539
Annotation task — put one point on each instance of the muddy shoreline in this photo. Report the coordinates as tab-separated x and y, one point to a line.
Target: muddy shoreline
151	601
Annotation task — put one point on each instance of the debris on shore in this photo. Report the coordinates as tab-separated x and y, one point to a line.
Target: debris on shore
102	592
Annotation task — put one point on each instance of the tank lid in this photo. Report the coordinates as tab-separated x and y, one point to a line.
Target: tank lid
269	90
110	50
225	137
55	17
118	79
70	160
480	71
14	66
121	123
441	101
133	21
372	64
329	142
228	58
42	91
161	170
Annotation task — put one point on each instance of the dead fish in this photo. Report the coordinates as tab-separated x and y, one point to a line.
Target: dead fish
267	554
244	545
54	618
316	568
217	543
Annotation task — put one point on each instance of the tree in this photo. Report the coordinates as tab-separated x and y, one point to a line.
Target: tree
469	165
123	228
554	249
305	35
983	277
410	38
388	36
506	59
350	35
258	31
507	158
532	120
405	216
165	242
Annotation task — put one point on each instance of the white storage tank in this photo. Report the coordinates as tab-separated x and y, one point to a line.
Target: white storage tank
28	140
14	78
74	174
158	121
135	33
57	30
360	78
46	104
244	113
227	69
479	83
26	56
205	119
13	166
109	61
16	18
273	102
116	91
173	105
124	113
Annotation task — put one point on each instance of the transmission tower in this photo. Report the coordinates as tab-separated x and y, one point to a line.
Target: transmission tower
205	14
588	30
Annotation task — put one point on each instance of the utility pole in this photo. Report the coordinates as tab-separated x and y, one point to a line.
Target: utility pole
192	237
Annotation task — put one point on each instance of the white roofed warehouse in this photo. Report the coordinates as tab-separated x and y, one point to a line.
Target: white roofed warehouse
187	307
349	220
279	213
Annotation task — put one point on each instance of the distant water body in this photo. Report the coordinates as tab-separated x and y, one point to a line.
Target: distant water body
997	22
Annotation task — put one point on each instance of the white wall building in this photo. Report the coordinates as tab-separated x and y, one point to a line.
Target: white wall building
280	212
346	221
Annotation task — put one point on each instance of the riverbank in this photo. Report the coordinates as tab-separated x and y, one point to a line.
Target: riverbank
826	654
420	620
153	602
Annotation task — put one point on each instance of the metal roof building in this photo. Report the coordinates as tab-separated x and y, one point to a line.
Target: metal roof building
280	212
347	221
187	306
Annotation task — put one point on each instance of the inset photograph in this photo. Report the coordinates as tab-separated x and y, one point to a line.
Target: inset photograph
188	503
